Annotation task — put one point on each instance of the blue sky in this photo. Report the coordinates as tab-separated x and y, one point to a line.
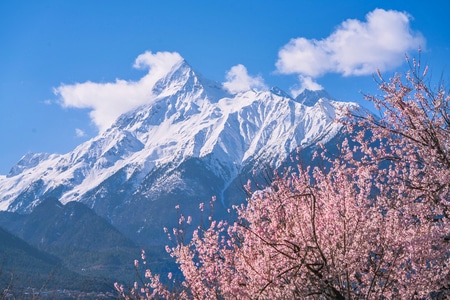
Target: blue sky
46	47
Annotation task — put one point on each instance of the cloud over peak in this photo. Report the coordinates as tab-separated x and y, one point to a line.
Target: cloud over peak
354	48
238	80
109	100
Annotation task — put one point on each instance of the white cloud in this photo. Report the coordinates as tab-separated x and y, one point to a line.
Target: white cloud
238	80
109	100
303	56
79	132
354	48
306	82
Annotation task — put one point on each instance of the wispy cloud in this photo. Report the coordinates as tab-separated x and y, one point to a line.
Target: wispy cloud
109	100
79	132
238	80
354	48
306	82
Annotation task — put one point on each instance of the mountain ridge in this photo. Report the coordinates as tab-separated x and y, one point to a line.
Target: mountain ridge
84	242
24	266
160	152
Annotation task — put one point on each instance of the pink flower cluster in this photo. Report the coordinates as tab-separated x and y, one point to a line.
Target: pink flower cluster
372	223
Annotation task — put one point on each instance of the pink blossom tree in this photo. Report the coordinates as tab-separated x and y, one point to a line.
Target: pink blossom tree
371	224
414	134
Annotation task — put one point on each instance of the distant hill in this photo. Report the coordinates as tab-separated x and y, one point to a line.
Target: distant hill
83	242
22	266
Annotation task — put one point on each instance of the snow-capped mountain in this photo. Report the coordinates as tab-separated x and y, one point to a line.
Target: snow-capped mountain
189	143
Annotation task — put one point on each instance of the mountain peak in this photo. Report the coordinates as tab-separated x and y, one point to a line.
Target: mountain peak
176	77
182	78
309	97
279	92
27	161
